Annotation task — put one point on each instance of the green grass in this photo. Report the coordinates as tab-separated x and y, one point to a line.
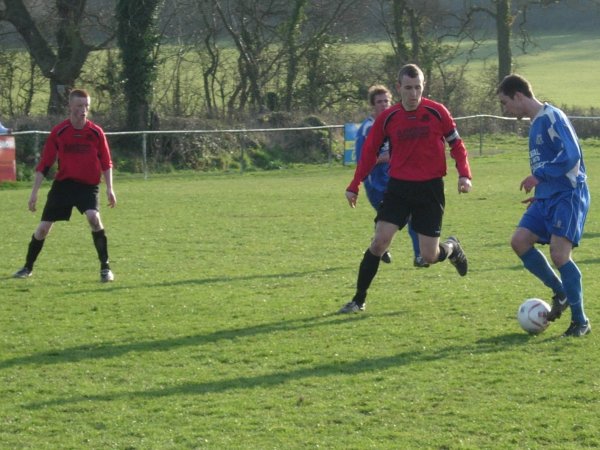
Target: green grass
550	56
219	331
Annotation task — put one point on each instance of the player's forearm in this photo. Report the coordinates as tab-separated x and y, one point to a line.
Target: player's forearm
108	179
37	182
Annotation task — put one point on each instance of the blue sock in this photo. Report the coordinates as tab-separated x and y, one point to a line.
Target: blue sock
571	277
537	264
415	240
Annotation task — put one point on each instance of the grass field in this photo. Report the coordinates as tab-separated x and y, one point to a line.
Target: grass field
219	331
550	56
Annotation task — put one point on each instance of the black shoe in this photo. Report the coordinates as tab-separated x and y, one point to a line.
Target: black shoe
25	272
559	304
420	262
352	307
106	276
386	257
578	329
458	257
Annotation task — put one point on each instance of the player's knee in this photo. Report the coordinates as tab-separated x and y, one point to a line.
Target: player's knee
519	245
379	246
559	258
93	218
42	231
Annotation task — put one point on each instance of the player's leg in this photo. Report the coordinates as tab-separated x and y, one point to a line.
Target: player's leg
384	234
523	243
426	219
414	238
560	252
34	248
533	229
88	203
100	243
375	197
58	207
570	213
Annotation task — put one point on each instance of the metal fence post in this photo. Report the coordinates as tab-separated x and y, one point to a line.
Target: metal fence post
330	154
144	155
242	140
480	135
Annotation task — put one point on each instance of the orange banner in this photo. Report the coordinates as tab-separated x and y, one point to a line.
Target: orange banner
8	165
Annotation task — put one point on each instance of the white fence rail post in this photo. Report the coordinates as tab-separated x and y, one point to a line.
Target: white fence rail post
244	132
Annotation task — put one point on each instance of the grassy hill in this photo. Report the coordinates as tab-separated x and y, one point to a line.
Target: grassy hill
562	68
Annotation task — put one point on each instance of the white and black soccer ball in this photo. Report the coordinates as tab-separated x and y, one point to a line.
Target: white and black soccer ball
532	315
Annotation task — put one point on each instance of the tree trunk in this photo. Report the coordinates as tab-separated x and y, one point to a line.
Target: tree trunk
291	44
402	50
137	39
503	29
63	67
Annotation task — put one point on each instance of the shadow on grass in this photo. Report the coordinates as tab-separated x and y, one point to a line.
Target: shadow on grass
117	286
348	368
109	350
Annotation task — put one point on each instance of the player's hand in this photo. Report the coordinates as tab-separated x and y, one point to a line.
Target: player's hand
32	202
112	198
529	183
528	201
464	185
351	197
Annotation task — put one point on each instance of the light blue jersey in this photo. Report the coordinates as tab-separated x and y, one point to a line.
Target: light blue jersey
555	156
561	198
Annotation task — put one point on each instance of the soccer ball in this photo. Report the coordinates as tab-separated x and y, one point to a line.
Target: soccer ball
532	315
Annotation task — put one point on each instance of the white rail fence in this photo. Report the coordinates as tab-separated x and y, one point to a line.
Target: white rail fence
242	132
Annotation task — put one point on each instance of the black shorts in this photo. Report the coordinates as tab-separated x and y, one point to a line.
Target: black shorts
422	202
67	194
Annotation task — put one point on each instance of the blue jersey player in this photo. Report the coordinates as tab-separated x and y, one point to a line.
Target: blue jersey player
556	213
375	184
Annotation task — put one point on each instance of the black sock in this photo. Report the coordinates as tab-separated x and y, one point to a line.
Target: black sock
34	249
445	251
101	244
366	272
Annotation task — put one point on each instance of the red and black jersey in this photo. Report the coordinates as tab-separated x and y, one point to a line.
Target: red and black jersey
82	155
417	144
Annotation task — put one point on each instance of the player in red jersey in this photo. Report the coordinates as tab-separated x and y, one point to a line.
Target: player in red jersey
418	130
83	155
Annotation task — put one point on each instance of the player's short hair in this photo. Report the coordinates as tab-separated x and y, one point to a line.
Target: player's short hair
378	89
78	93
411	71
513	83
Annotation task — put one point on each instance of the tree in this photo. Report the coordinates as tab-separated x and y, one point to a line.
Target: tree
60	65
138	39
500	12
428	34
307	31
504	13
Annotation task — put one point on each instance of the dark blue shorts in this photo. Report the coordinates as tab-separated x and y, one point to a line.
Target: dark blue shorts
562	215
66	195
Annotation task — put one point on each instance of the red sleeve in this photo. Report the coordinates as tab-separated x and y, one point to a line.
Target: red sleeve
49	154
459	153
104	152
368	157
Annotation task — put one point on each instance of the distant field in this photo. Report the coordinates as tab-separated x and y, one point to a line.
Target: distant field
564	69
